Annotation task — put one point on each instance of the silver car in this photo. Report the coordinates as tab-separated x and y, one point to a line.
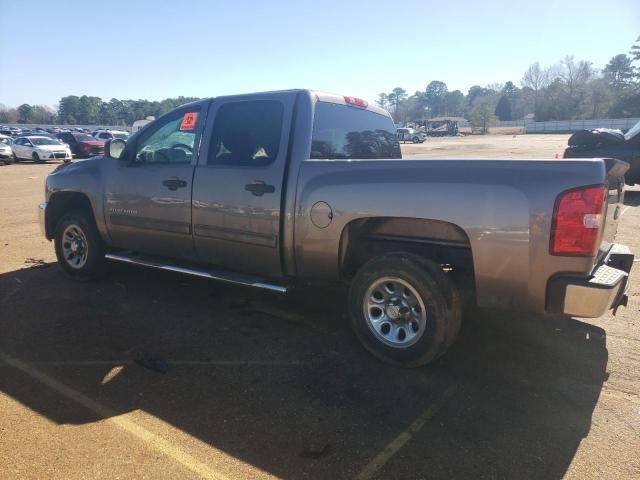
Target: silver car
410	135
6	152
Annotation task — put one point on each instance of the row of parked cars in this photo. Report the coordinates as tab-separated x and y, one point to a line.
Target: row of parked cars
40	145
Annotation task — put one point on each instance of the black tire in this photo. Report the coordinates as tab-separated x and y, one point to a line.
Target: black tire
15	158
36	158
8	160
94	265
438	294
416	139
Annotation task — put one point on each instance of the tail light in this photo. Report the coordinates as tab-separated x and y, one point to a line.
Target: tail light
577	220
356	102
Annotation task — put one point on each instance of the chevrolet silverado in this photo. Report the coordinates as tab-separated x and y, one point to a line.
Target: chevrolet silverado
272	189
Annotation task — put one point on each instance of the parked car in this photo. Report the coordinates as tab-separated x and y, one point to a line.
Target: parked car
40	149
6	152
268	190
410	135
82	145
105	135
604	142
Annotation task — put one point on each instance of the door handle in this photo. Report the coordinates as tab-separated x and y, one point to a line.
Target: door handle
174	183
259	188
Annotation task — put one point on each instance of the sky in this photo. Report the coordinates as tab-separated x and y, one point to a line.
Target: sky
158	49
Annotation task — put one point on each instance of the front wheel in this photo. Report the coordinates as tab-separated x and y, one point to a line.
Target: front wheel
36	158
416	139
79	247
404	309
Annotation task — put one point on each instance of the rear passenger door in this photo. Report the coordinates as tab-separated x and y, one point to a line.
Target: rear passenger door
238	183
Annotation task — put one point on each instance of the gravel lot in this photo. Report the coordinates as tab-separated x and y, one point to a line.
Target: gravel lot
265	386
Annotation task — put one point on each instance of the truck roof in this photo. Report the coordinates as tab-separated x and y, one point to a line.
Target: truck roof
322	97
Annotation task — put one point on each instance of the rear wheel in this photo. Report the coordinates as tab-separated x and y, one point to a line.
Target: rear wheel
404	309
79	247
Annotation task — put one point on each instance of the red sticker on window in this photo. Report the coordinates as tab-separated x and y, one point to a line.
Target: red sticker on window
189	121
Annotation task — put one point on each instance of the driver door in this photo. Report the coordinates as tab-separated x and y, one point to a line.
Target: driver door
147	197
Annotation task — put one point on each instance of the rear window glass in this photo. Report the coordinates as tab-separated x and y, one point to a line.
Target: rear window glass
341	131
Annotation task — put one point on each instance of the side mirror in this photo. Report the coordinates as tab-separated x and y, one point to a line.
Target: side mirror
114	148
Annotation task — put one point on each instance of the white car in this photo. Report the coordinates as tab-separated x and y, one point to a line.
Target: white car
105	135
40	149
6	152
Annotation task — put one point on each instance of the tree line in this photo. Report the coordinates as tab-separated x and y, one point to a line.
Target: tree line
570	89
87	110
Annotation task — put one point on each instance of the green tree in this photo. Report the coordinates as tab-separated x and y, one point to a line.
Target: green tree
509	90
482	116
396	97
455	103
619	71
503	109
88	109
474	93
436	97
635	51
383	100
25	112
68	107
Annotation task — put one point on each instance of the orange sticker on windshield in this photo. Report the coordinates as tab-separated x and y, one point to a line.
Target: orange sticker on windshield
189	121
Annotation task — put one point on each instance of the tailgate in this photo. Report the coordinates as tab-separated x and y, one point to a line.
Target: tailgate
615	183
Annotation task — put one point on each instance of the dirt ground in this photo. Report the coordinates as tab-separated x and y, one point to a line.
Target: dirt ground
488	146
261	385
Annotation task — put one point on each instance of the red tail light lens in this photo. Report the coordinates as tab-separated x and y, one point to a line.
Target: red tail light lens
577	220
356	102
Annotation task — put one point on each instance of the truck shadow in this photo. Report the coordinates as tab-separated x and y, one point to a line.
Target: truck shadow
280	383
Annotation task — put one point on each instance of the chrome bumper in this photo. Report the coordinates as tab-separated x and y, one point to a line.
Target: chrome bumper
42	217
593	296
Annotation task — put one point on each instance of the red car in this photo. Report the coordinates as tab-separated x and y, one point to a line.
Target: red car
82	145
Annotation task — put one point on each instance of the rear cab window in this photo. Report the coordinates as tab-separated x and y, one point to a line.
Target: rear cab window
347	132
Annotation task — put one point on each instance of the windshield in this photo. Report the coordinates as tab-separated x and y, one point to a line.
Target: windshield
44	141
633	131
122	136
84	138
6	141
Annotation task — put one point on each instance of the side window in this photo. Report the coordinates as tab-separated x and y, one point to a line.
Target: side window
18	141
171	141
246	133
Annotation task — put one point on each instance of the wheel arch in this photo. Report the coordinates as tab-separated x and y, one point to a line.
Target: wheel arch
64	202
443	243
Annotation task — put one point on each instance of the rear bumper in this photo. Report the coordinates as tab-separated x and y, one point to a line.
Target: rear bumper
593	296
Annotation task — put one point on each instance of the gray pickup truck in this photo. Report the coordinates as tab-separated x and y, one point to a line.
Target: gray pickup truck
271	189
